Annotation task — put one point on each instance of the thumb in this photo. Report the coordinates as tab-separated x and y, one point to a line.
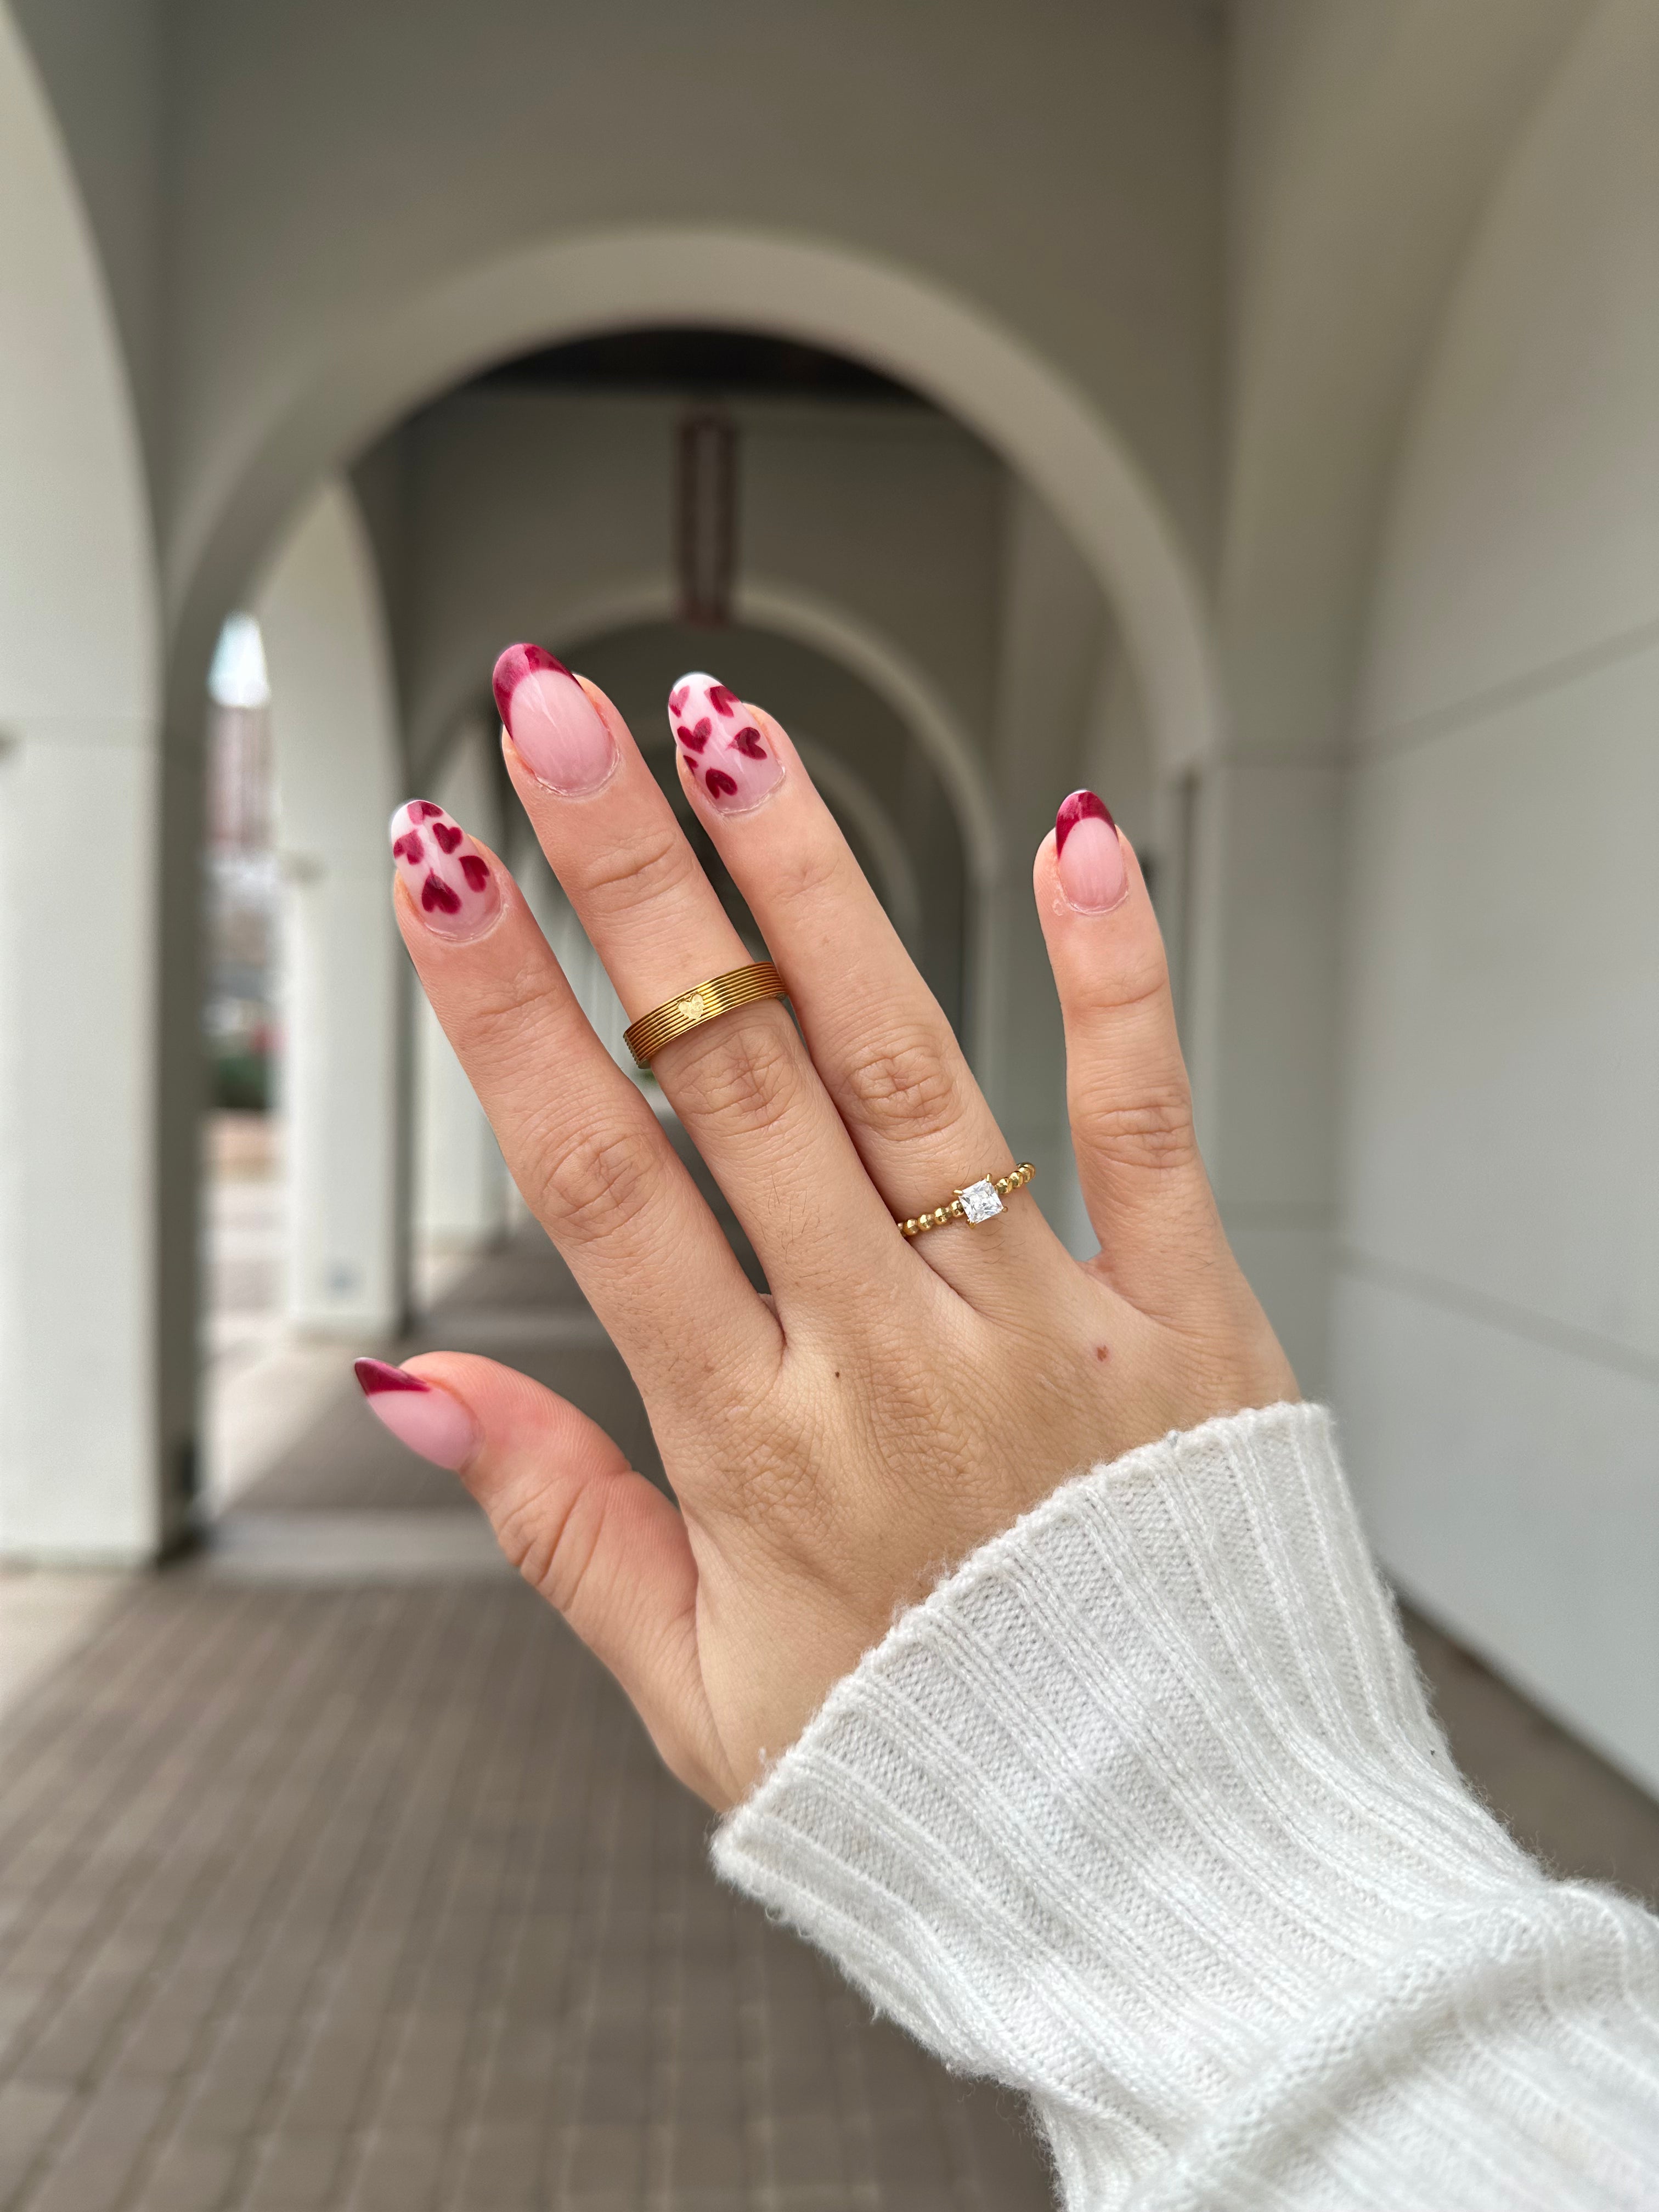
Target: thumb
601	1544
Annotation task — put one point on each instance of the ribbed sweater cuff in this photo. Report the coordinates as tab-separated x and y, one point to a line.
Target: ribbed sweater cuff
1147	1786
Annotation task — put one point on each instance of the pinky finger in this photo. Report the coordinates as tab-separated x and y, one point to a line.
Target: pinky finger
602	1545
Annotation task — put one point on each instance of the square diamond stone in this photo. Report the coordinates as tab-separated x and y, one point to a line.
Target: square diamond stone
979	1200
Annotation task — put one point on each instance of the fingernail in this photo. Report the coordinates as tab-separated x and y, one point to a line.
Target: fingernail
720	745
1088	854
429	1421
443	870
553	723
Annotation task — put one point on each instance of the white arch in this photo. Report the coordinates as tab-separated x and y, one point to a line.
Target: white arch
827	627
907	323
86	1415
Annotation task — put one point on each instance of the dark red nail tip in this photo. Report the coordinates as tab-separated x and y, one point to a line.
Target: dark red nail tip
1081	806
374	1376
511	669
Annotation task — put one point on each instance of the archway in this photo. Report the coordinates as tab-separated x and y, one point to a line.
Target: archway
907	325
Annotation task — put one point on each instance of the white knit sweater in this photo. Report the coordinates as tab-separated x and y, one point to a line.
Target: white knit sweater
1143	1812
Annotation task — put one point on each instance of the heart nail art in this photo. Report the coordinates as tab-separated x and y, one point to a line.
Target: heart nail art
452	886
725	754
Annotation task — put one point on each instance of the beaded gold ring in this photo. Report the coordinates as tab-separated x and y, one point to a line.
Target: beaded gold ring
975	1202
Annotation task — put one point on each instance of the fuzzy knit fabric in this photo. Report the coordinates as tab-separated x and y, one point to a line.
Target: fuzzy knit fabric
1144	1813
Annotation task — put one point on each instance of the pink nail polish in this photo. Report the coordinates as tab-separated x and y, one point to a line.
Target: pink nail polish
553	723
1089	855
721	745
443	870
429	1421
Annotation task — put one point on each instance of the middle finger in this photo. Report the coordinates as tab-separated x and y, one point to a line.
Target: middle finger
609	836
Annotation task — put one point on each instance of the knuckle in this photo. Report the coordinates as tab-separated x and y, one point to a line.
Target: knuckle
901	1090
1133	985
596	1183
743	1072
508	1014
806	876
653	864
1153	1129
553	1552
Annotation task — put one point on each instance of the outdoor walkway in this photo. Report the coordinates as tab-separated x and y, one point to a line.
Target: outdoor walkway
334	1874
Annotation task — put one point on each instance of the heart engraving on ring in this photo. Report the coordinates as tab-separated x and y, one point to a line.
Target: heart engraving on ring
692	1007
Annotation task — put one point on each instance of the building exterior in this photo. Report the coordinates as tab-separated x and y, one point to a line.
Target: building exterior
1276	447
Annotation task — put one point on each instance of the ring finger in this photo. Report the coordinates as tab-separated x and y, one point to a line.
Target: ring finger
878	1037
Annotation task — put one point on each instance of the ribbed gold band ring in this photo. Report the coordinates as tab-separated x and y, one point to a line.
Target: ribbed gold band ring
721	994
974	1202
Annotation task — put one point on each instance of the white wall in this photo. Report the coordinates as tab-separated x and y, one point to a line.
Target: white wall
1497	1307
83	1470
1362	141
334	741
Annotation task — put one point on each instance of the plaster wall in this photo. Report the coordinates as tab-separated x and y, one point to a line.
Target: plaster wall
1362	144
1497	1314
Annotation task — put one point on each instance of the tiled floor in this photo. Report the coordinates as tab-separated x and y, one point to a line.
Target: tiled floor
377	1897
334	1877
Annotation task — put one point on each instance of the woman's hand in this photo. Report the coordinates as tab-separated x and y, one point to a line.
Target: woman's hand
834	1448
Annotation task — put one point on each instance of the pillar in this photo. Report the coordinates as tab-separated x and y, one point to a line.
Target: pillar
335	755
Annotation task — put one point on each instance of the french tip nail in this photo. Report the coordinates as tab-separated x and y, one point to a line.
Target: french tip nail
1089	853
513	665
428	1421
556	730
374	1376
1079	806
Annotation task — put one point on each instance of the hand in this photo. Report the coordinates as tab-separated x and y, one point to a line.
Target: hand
837	1447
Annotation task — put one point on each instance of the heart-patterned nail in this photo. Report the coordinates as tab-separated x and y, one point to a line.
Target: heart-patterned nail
725	753
451	883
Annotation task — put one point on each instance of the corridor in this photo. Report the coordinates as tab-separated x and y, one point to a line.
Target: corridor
333	1874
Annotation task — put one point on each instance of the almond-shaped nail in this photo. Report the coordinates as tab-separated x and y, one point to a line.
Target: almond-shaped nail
555	724
1089	855
721	745
452	884
428	1421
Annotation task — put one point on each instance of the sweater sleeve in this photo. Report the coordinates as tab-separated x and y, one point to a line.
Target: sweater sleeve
1143	1812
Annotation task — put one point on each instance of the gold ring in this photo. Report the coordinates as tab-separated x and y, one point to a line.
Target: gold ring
975	1202
721	994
